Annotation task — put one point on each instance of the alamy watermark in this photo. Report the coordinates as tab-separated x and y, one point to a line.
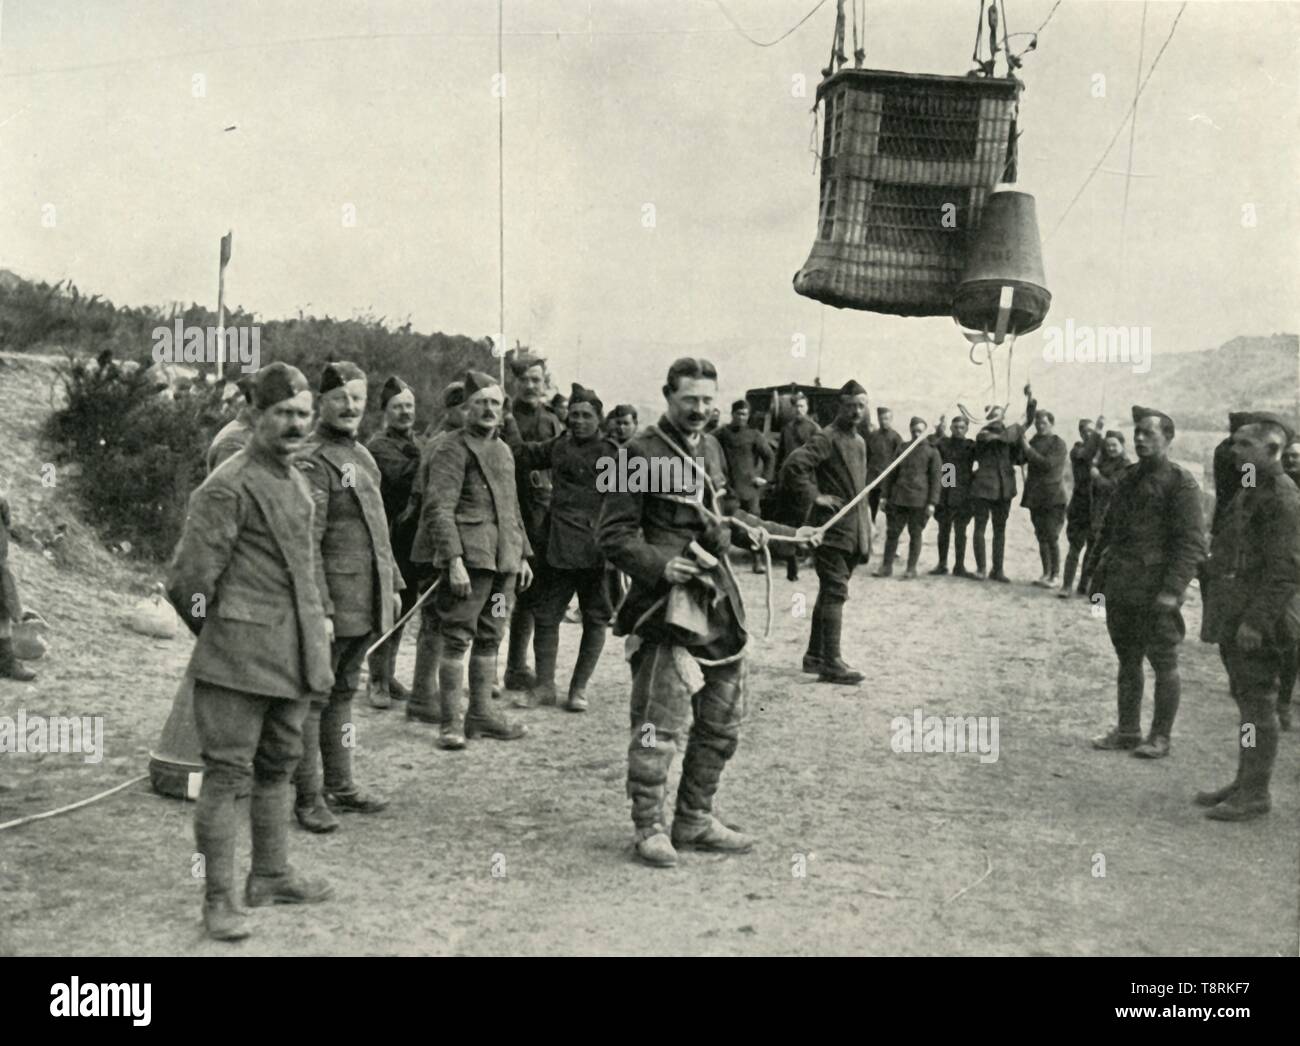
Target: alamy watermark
182	343
946	734
70	735
657	474
1083	344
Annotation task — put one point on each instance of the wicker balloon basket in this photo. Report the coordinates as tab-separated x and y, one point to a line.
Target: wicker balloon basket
907	162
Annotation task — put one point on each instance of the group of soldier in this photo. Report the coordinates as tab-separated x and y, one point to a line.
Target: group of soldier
304	550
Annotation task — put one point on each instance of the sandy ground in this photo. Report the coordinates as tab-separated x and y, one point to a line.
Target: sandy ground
887	841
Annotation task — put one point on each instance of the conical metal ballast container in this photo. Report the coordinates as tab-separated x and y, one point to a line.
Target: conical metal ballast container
176	762
1003	289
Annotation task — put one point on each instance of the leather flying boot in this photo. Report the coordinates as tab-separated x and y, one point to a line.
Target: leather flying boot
1117	740
482	720
1251	799
647	787
546	645
518	675
654	848
712	834
309	806
341	791
289	888
589	650
10	666
834	670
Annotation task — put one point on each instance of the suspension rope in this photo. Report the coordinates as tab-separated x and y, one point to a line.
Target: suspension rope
1119	130
769	43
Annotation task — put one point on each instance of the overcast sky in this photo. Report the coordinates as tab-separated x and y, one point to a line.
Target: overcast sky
611	106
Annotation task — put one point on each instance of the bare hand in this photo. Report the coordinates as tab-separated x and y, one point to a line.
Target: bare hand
929	512
811	536
525	576
680	569
759	481
828	501
329	629
1248	638
458	578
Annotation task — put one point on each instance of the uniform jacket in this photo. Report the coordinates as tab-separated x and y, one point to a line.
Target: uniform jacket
11	608
748	456
1103	487
1045	479
248	551
997	453
570	530
833	462
1153	540
883	446
640	532
422	548
230	440
960	454
536	424
398	458
471	509
1254	566
916	481
1227	481
1082	456
351	530
797	430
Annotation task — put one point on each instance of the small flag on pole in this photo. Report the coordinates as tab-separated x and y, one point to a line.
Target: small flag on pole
225	247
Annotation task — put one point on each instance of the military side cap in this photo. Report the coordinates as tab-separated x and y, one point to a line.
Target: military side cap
1236	419
1166	422
852	388
916	421
1265	417
882	411
623	410
339	373
1114	434
477	381
276	383
394	386
454	394
582	394
559	399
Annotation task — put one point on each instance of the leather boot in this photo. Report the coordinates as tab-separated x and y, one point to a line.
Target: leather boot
518	674
268	811
377	689
1251	799
813	661
451	734
424	705
1071	565
289	888
546	646
10	666
1217	796
886	568
589	650
647	787
834	669
309	805
214	838
482	720
1128	697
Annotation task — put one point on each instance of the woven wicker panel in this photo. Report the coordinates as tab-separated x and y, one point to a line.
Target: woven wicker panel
896	149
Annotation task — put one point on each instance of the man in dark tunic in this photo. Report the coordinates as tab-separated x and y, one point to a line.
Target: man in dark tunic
1290	657
684	610
911	493
1104	477
1150	548
749	462
883	445
244	579
537	424
1044	495
997	453
425	704
481	551
796	430
822	476
359	585
1078	513
570	562
955	509
1253	611
397	454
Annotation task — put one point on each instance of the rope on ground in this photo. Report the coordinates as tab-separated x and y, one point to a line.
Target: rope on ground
72	806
